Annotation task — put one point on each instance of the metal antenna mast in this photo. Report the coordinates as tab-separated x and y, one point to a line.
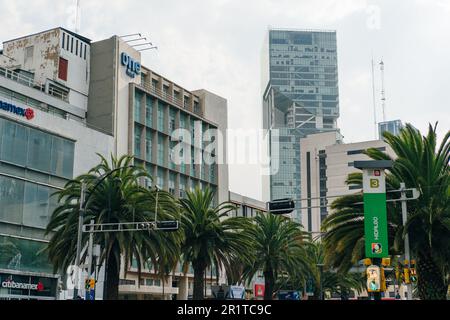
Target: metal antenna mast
383	91
374	99
77	20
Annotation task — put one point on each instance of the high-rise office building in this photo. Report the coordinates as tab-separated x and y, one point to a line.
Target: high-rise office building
300	97
393	126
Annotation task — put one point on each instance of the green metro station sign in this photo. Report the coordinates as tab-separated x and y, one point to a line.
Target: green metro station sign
375	213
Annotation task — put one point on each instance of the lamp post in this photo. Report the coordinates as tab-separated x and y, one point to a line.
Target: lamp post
83	207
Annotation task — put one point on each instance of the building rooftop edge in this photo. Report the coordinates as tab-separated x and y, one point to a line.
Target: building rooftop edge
64	29
301	30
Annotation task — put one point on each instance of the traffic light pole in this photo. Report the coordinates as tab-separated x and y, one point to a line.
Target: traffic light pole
377	262
80	224
407	249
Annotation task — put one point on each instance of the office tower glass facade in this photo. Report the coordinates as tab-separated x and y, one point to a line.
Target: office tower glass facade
301	97
393	126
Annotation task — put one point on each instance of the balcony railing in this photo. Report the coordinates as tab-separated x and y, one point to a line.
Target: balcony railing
29	82
166	96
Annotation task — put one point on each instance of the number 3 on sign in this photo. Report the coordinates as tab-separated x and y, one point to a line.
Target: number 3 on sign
374	183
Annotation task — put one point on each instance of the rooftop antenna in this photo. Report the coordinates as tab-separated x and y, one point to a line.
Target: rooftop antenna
77	20
383	91
374	99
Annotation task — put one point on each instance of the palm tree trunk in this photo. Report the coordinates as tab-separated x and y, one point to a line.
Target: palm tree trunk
199	272
431	283
112	276
269	284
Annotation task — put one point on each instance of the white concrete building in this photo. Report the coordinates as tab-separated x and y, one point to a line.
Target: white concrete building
87	98
326	163
45	141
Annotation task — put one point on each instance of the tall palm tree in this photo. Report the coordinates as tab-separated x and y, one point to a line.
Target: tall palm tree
420	164
328	279
278	245
114	195
209	236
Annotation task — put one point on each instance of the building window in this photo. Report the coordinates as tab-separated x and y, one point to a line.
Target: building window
172	179
170	151
26	203
26	255
172	116
137	107
187	102
149	112
76	47
71	45
148	145
63	69
182	186
67	42
137	141
36	149
197	107
161	126
161	150
160	181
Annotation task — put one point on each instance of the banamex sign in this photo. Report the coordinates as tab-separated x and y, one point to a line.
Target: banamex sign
27	113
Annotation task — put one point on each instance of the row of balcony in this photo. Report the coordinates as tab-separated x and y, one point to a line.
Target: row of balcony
29	82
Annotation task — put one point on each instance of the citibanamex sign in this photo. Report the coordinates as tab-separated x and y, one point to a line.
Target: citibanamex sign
27	113
25	286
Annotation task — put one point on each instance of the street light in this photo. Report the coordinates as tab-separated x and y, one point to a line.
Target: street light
83	207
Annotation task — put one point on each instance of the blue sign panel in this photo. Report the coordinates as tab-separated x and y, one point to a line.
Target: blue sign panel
133	68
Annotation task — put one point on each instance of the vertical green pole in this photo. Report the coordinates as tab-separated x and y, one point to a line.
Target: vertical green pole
375	213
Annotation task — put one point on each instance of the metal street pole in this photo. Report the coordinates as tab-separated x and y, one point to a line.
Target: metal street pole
90	250
321	283
80	226
407	249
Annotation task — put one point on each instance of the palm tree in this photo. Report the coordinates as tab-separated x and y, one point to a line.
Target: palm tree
209	236
113	195
419	164
278	245
328	279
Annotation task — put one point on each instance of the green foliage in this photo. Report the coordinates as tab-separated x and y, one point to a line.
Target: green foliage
279	248
421	164
210	237
113	195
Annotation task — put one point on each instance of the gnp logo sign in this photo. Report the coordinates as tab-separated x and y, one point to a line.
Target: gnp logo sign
133	67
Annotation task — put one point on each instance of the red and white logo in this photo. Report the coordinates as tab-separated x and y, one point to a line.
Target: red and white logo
29	113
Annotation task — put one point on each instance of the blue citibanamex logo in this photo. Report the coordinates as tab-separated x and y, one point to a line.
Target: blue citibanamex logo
133	67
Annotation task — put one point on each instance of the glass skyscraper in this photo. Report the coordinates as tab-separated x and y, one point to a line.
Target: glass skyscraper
300	97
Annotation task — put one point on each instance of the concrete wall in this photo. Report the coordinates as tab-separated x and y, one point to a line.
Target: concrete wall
46	51
102	86
338	168
338	161
44	62
123	122
313	144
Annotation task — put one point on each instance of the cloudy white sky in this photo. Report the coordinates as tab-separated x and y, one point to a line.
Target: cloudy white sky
216	45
